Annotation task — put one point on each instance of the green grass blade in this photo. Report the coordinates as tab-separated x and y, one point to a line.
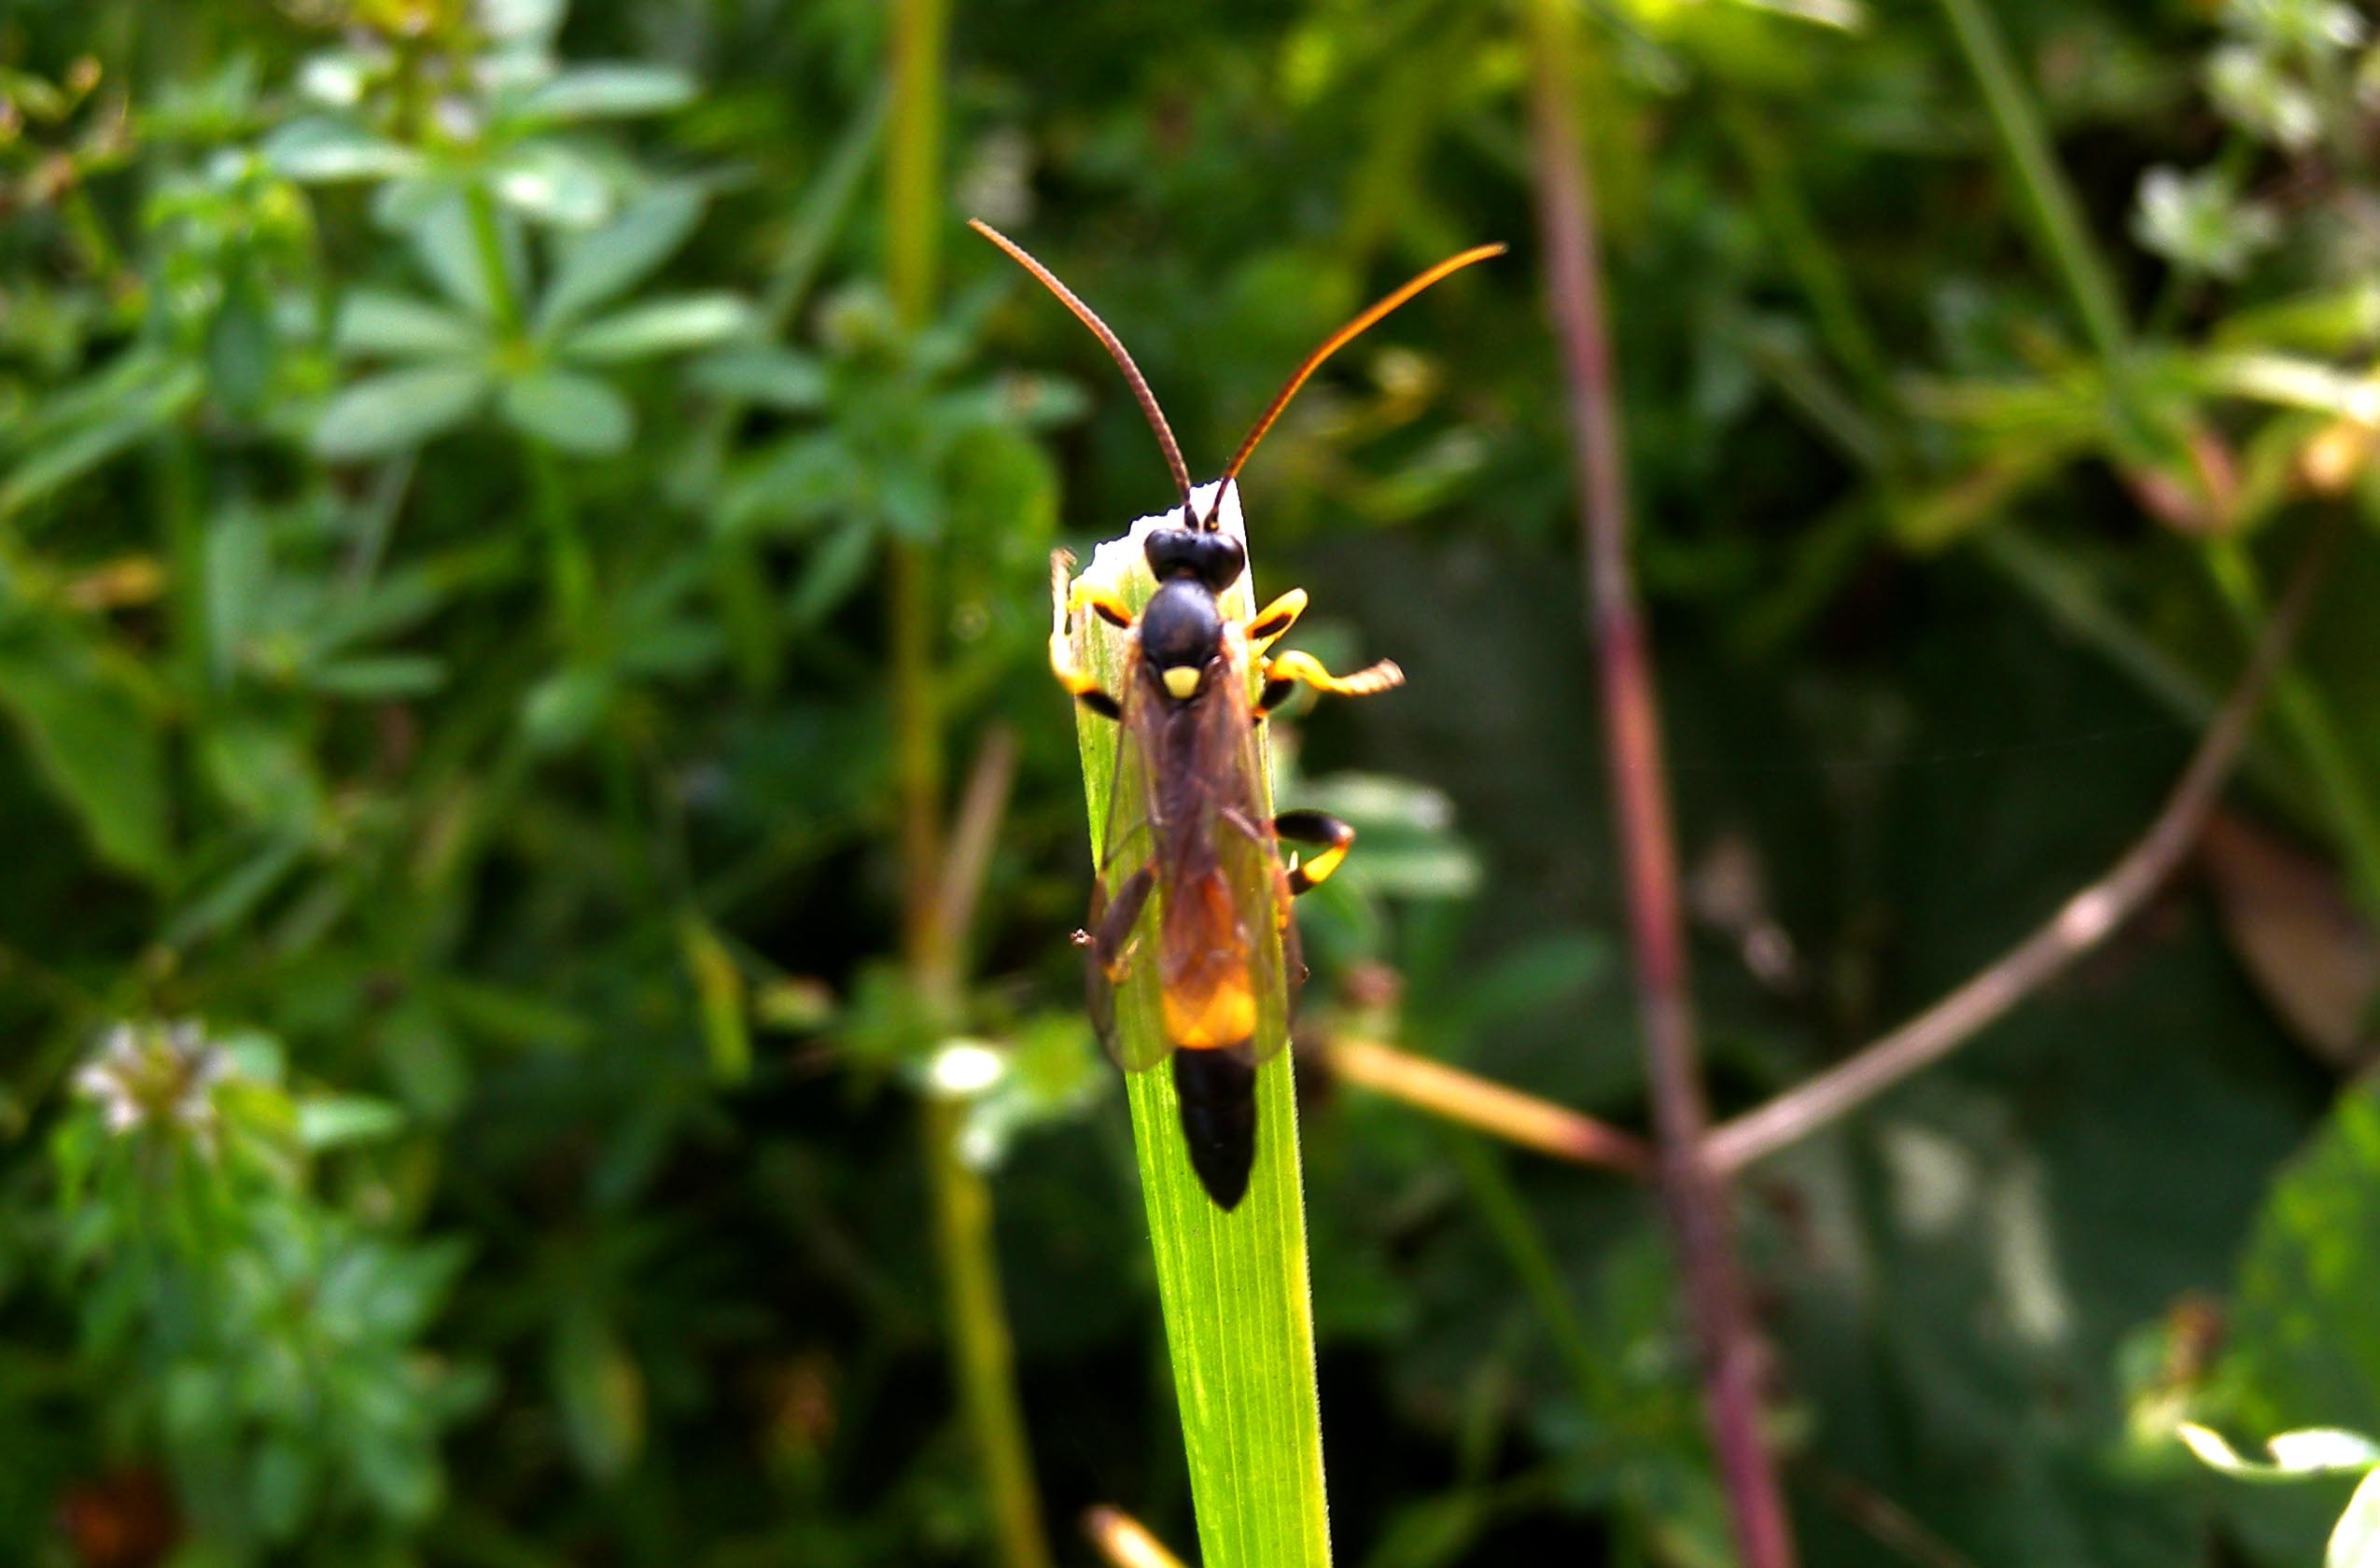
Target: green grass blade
1238	1311
2049	200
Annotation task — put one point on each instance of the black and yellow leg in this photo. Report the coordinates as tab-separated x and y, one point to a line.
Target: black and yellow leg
1111	609
1330	837
1077	681
1284	672
1276	618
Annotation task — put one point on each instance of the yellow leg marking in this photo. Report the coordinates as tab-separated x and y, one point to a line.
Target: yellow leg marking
1077	681
1367	682
1275	619
1328	839
1111	609
1315	868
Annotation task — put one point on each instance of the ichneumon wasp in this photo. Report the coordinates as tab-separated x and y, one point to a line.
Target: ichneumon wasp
1190	868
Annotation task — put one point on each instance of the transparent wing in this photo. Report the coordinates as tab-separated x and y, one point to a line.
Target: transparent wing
1126	1011
1248	858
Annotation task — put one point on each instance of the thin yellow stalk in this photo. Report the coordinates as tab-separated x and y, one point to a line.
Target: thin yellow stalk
981	1349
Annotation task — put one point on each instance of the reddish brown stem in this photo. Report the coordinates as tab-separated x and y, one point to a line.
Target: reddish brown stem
1693	1194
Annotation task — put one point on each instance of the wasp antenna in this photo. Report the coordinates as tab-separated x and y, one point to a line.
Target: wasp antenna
1344	336
1114	345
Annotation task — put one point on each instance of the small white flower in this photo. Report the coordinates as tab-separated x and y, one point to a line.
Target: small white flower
156	1073
2194	221
963	1068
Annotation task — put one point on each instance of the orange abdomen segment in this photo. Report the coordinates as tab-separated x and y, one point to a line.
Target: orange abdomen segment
1209	998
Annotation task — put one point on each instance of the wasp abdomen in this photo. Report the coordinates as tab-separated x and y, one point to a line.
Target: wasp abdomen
1217	1088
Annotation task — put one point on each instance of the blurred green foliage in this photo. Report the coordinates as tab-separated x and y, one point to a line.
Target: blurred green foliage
459	1104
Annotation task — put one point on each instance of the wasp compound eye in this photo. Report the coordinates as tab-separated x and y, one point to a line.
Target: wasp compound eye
1173	552
1219	560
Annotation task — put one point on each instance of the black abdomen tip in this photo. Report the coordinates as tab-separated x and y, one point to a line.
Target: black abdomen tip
1218	1093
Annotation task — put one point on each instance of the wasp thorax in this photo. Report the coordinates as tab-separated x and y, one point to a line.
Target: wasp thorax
1214	559
1181	632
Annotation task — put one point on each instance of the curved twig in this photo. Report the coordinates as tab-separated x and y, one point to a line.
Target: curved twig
2080	924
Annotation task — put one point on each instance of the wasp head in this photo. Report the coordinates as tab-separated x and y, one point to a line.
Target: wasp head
1214	559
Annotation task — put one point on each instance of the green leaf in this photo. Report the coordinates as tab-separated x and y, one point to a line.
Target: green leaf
609	91
513	1017
2305	1341
801	480
448	246
599	267
321	148
769	377
2355	1543
546	180
671	326
233	895
401	408
282	1487
265	773
238	571
601	1392
1002	493
402	1476
832	574
719	991
1238	1309
95	741
241	348
564	709
379	677
341	1120
402	326
521	21
579	413
117	416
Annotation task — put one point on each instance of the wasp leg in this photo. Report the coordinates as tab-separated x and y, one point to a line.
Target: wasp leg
1110	607
1331	837
1276	618
1284	671
1077	681
1111	923
1107	945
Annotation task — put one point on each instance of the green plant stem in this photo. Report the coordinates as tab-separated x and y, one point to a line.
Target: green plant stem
2065	593
913	169
2307	717
2056	216
1693	1191
976	1321
738	577
178	495
487	234
571	576
569	568
913	213
1815	269
89	231
983	1354
1532	1264
1238	1304
2071	600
